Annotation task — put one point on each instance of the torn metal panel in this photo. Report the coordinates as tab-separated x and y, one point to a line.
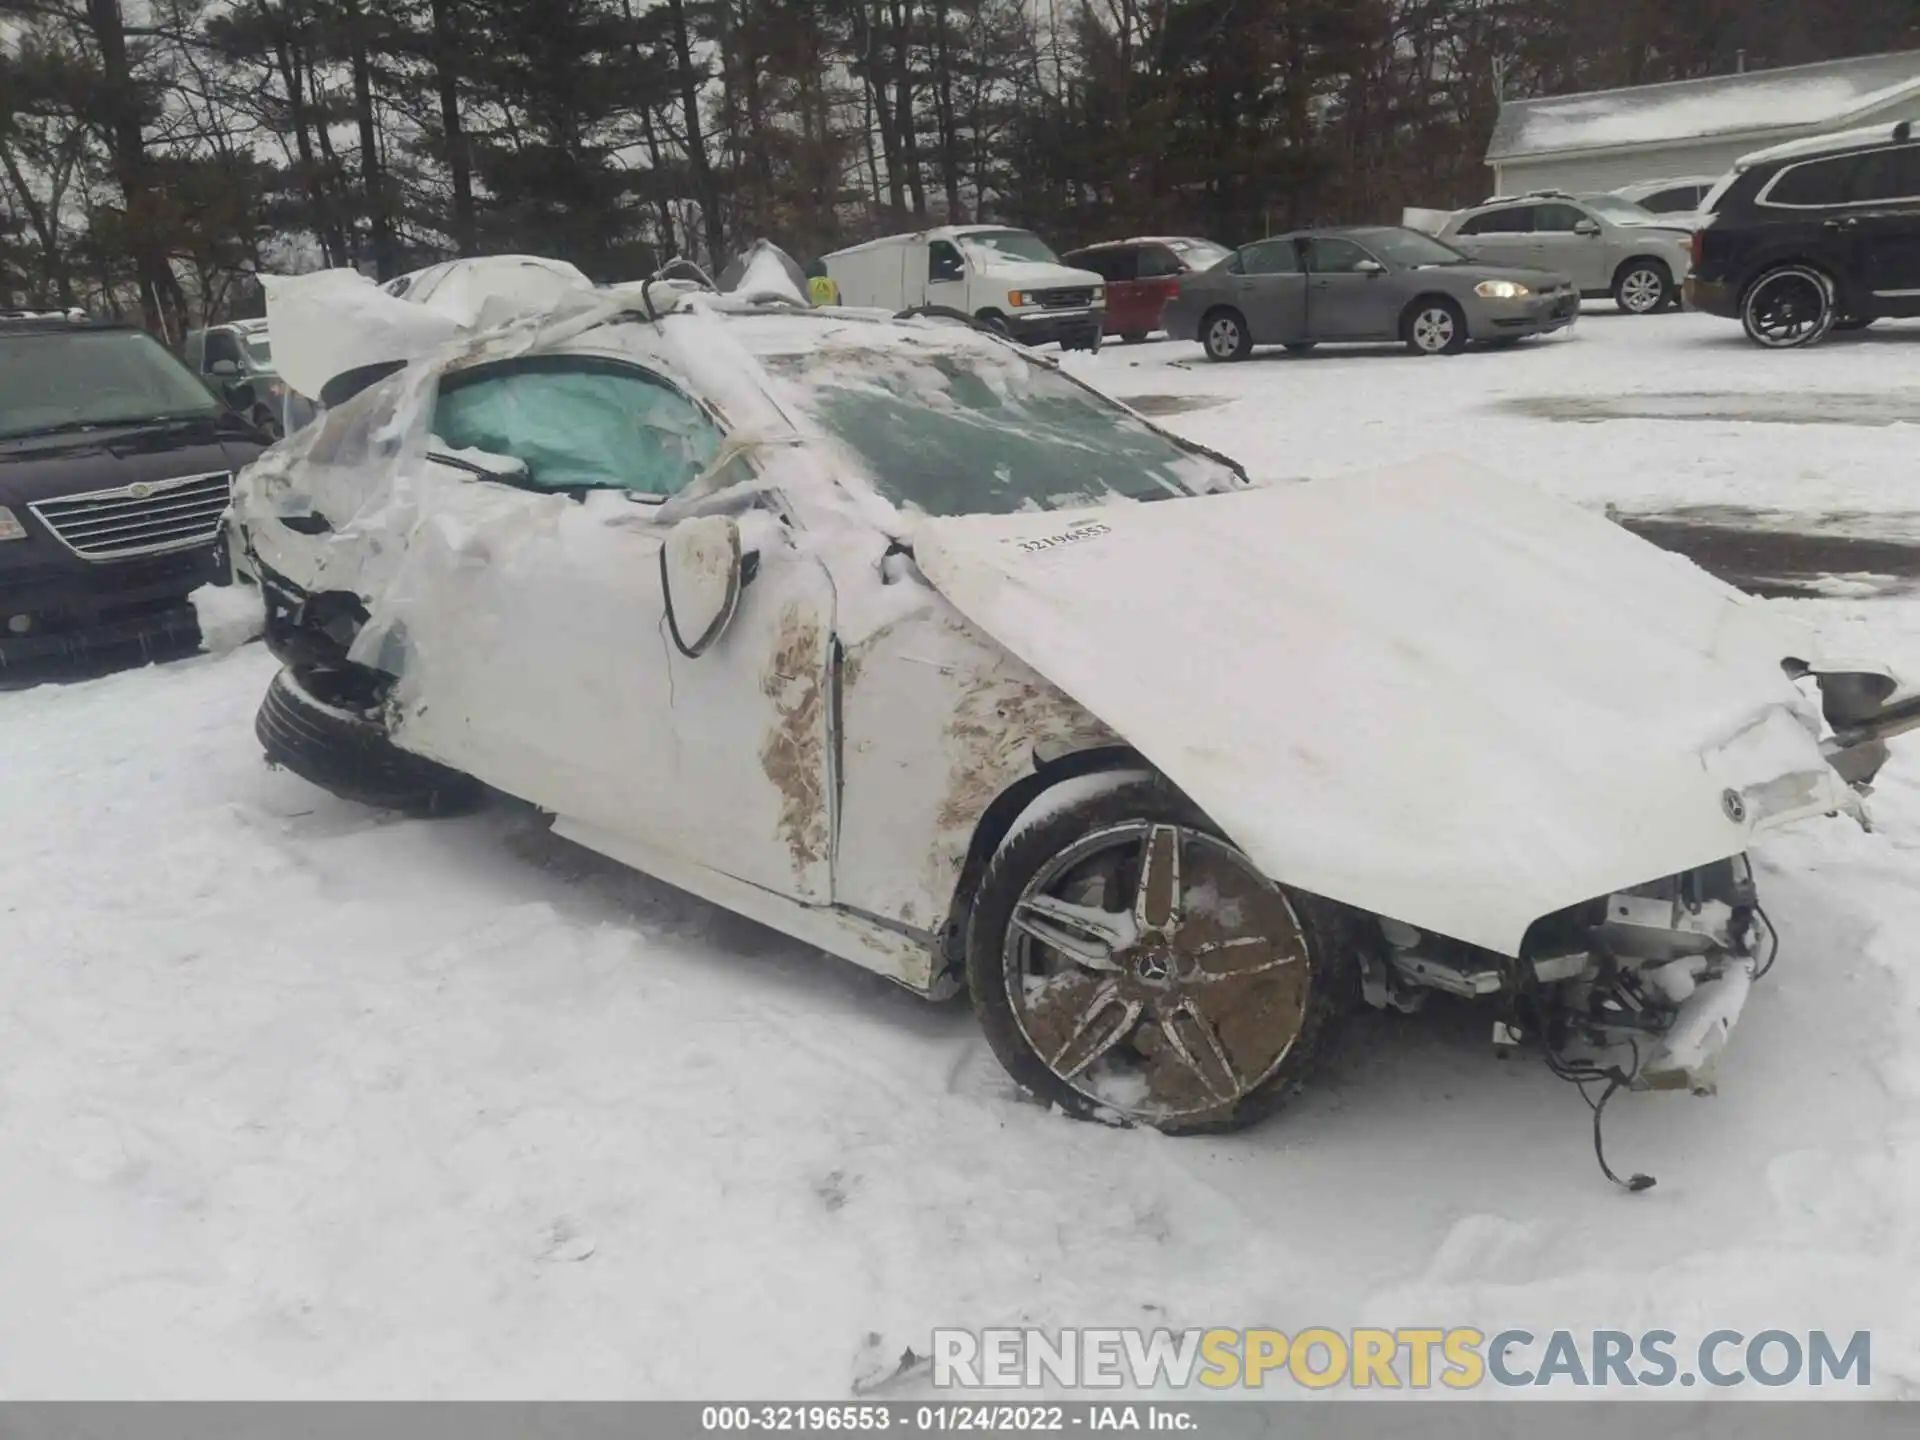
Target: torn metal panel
938	722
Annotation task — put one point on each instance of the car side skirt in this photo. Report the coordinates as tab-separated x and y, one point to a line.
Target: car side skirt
903	955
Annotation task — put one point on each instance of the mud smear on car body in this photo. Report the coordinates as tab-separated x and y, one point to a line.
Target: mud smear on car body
1764	408
997	721
794	755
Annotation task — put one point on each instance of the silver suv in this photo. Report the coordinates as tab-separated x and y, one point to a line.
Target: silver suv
1609	246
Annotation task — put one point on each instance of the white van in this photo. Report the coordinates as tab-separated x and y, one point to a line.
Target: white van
1006	278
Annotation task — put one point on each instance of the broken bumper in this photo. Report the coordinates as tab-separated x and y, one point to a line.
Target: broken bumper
1689	1052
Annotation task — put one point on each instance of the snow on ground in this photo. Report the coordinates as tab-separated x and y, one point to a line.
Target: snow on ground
1644	412
301	1100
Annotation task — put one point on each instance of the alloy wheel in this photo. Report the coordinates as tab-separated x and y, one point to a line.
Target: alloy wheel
1643	290
1433	330
1153	970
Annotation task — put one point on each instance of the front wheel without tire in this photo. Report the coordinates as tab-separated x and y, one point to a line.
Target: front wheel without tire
320	724
1129	964
1788	307
1435	327
1643	287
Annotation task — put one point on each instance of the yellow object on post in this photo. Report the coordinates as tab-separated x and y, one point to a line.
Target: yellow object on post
821	290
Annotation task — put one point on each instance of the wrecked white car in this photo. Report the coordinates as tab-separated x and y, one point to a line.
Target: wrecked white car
904	642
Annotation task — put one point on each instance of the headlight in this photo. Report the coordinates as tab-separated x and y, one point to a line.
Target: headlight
1099	294
1017	298
10	526
1501	290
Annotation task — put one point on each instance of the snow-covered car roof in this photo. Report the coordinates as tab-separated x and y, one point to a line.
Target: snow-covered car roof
1835	143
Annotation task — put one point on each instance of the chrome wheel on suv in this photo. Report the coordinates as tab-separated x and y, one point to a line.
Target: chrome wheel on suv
1788	307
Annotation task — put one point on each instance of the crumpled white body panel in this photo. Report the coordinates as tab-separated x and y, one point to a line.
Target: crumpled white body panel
1430	694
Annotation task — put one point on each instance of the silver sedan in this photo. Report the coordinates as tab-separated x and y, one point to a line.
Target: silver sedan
1366	283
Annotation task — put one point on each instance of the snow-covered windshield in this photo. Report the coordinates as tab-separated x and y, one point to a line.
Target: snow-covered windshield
82	378
951	433
1012	244
1408	248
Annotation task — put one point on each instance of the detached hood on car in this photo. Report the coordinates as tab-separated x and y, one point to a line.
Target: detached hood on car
1444	698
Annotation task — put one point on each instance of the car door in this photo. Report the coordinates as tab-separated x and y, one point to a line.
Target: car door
1350	295
1158	271
538	637
1497	237
1883	225
946	275
1270	289
1568	239
1129	311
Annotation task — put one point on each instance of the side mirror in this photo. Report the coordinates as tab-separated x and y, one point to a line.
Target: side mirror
224	367
1586	227
239	394
1368	267
700	575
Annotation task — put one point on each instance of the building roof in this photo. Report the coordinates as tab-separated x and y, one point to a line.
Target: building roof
1759	103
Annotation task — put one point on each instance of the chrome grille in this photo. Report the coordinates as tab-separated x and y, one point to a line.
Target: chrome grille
1072	299
149	518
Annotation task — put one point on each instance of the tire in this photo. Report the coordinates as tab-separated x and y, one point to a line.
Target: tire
1788	307
1303	347
996	322
1434	325
941	312
1156	1035
1132	337
1224	335
1643	287
312	723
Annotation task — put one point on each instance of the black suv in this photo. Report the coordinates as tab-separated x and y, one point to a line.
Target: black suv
1813	236
116	466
